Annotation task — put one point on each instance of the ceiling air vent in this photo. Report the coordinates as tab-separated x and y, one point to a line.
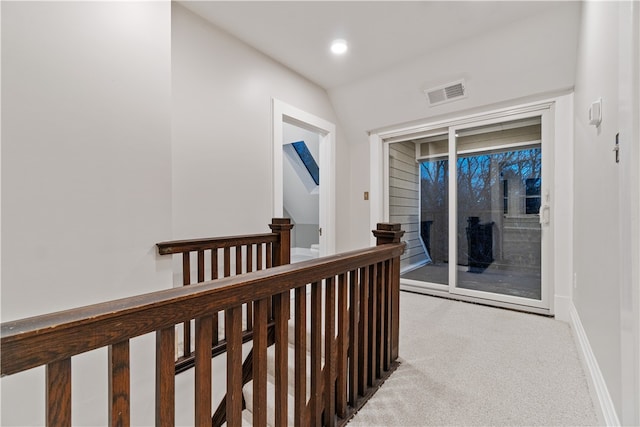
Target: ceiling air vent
446	93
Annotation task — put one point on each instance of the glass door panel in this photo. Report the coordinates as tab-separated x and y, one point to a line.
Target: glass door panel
498	186
434	222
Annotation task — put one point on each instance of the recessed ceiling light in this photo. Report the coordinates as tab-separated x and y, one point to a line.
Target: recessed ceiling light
339	46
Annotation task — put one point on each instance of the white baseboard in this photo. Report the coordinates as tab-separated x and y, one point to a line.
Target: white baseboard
562	308
600	394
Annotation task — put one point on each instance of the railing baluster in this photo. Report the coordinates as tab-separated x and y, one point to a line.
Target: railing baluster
214	275
249	269
341	362
373	312
119	385
186	281
300	384
58	376
395	307
238	252
214	263
204	332
165	377
233	332
259	256
269	264
387	316
238	259
239	270
200	266
226	273
316	403
354	311
269	251
329	358
380	320
281	315
227	261
260	363
249	260
186	268
363	329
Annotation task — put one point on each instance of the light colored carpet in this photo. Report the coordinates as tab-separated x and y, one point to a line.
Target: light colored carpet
467	364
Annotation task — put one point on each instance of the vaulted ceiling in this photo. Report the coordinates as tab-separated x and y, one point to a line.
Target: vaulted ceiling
381	34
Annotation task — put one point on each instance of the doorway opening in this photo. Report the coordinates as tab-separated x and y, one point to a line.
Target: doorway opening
304	179
301	190
473	198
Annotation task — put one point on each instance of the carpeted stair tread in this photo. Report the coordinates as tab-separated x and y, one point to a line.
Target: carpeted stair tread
247	390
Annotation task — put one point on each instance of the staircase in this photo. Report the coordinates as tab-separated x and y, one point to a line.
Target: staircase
362	344
291	386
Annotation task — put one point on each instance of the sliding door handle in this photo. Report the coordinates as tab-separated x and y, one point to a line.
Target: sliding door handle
545	214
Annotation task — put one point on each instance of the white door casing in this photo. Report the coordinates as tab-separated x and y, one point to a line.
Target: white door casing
285	113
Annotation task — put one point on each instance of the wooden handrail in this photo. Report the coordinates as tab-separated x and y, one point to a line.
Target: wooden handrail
191	245
213	258
363	330
39	340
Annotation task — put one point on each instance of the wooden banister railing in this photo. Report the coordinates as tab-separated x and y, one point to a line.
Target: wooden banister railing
219	257
353	309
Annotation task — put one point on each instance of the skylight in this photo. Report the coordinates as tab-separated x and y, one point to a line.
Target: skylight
307	159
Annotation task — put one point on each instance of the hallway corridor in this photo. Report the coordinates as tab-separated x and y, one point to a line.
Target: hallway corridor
467	364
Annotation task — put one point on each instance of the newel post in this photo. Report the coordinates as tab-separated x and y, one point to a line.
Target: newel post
281	249
386	233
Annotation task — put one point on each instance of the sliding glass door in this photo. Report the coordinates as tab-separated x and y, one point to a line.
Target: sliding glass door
481	212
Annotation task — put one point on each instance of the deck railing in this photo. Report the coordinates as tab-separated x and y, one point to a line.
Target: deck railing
219	257
351	322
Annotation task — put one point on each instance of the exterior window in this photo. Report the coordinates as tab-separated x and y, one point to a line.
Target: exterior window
520	195
505	197
532	195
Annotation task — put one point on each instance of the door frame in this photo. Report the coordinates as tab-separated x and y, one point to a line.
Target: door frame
285	113
558	272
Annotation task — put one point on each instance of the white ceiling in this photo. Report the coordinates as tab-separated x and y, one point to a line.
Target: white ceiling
381	34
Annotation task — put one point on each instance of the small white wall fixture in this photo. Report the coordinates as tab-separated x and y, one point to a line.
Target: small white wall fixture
285	113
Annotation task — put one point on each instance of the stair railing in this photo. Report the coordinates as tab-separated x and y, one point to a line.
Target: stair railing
218	257
354	309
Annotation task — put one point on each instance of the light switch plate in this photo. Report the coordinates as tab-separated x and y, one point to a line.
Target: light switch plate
595	112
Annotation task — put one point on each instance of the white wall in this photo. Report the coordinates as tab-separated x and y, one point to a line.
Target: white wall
527	60
222	161
86	171
110	109
606	198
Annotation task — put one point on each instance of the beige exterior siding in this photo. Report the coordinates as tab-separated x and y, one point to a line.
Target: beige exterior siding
404	199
